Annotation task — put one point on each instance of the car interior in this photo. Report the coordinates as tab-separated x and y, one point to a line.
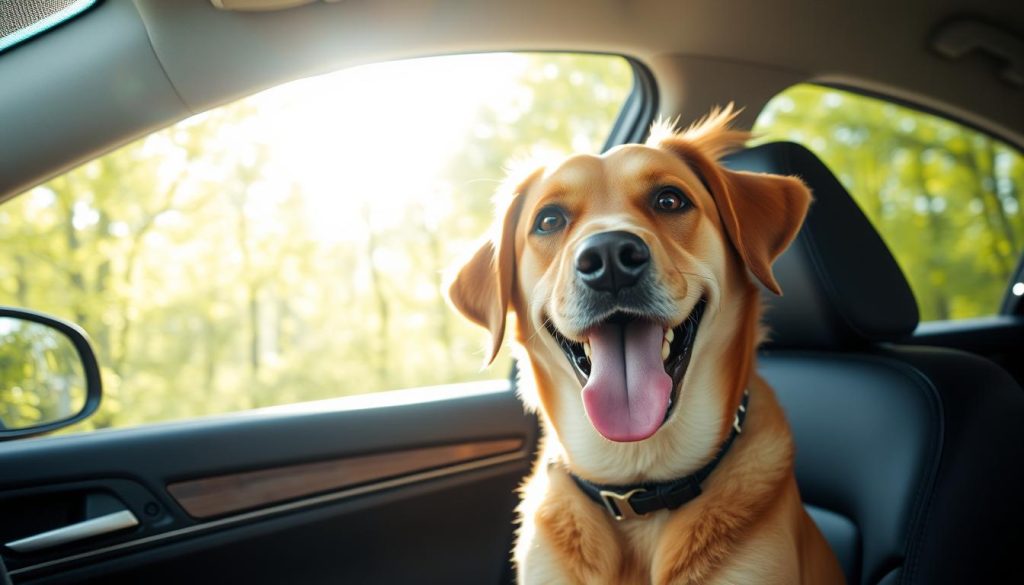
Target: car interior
907	431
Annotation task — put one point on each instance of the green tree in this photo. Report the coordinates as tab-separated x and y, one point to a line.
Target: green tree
944	197
196	257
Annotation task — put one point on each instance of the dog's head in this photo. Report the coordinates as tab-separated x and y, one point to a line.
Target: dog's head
628	274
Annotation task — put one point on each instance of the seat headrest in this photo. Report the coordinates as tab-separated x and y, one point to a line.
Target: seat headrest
840	284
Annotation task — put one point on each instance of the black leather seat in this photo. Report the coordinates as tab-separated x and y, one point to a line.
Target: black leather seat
911	459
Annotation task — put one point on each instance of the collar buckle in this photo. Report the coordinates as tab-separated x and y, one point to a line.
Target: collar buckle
618	504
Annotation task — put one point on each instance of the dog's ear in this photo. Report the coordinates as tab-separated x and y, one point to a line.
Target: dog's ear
761	213
482	288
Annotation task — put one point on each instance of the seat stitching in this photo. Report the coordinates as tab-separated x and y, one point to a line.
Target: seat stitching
926	486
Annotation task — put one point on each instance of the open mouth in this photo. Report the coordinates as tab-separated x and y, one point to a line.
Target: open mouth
631	369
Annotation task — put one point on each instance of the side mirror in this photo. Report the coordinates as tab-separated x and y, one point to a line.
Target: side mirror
49	377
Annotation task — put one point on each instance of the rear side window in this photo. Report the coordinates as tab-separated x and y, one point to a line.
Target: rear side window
290	246
946	198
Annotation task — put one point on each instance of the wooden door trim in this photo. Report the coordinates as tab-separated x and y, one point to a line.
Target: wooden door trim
220	495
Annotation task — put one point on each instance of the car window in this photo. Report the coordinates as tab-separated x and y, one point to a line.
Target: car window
291	246
945	197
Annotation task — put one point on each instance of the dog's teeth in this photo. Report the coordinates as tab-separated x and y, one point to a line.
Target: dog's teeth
670	335
586	349
664	350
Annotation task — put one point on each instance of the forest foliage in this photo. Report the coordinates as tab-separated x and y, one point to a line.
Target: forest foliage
945	198
291	246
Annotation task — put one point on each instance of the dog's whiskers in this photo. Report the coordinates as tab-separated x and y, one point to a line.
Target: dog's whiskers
708	278
540	302
714	283
537	332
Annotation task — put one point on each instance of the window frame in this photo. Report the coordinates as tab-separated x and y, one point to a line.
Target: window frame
638	112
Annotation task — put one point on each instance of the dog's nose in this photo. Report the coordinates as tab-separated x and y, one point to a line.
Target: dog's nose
612	261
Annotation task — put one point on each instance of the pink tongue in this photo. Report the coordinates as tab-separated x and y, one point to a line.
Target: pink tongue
628	390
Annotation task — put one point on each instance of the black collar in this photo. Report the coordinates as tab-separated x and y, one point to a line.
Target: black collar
635	500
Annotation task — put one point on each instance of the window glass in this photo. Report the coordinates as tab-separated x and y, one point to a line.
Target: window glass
290	246
945	198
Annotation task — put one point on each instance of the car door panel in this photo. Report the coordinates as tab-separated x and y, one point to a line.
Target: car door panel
407	486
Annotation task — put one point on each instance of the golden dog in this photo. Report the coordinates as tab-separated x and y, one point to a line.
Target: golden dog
666	458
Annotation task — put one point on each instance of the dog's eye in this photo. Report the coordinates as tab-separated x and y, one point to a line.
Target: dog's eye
549	220
670	199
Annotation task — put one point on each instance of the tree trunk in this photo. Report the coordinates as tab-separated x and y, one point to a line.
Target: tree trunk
444	314
138	237
74	273
381	302
935	230
1000	213
251	288
21	281
995	218
100	287
254	330
211	346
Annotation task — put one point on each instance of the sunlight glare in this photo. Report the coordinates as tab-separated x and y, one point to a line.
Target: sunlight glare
365	142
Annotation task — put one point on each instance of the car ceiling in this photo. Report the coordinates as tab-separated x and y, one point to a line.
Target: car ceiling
129	67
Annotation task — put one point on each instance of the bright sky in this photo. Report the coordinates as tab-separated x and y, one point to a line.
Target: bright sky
379	134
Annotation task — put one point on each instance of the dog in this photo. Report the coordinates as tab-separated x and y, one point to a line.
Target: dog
665	458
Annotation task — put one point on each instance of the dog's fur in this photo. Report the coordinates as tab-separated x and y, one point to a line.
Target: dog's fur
748	526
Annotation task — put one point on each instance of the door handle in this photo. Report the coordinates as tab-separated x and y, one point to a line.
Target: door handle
75	532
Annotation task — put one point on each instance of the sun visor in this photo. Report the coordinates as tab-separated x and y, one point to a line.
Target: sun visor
20	21
261	5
